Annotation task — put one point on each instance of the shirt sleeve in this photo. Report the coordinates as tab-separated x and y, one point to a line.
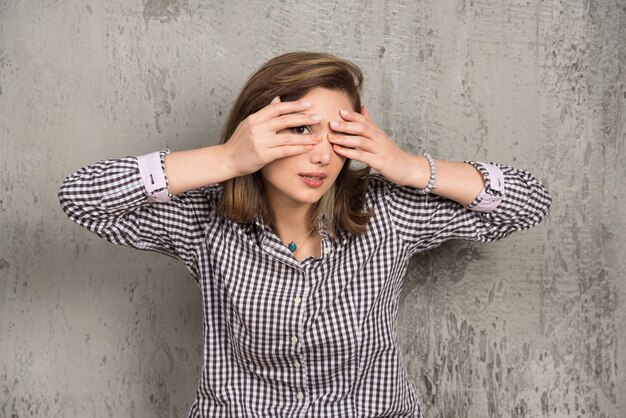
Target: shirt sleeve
512	200
126	202
492	194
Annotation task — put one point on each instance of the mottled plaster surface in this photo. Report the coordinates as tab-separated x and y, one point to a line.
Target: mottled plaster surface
531	326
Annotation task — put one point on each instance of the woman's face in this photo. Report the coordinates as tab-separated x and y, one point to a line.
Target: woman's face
286	181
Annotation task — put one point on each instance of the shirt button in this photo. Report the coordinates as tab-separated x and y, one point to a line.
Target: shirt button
294	339
296	364
297	300
300	396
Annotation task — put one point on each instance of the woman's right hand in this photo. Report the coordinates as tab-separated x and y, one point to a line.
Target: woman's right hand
258	139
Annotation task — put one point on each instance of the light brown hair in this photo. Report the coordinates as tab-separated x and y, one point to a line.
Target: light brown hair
291	76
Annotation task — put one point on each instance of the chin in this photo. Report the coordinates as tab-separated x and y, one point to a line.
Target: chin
310	199
310	196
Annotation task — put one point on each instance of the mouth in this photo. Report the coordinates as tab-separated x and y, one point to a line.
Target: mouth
313	176
313	179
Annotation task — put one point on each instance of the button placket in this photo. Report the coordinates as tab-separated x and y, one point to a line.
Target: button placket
325	248
296	340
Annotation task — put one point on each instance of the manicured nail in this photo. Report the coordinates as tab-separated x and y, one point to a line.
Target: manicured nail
344	112
334	124
308	147
317	139
336	147
316	118
304	104
332	137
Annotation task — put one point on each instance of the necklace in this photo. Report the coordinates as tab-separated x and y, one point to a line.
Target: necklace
292	245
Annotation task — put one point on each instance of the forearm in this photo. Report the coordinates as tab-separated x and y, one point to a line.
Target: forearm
124	201
104	195
456	181
192	169
98	195
509	200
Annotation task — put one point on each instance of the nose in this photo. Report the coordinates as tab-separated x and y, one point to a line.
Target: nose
323	151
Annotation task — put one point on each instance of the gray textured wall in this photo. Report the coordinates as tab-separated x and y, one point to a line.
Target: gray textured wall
531	326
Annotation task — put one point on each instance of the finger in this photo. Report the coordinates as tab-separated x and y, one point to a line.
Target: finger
359	142
365	113
352	116
354	154
292	120
288	151
281	108
352	128
281	140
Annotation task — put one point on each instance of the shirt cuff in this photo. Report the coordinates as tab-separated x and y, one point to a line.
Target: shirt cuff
153	176
492	194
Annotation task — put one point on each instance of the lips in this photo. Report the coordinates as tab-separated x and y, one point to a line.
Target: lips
313	176
313	179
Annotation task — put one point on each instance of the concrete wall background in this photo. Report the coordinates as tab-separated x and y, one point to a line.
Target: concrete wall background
531	326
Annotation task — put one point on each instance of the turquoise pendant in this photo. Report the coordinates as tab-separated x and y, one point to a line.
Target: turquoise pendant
292	246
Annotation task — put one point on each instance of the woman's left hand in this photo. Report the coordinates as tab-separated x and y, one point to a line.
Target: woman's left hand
367	143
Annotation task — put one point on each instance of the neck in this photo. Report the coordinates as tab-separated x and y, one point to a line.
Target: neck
291	223
291	218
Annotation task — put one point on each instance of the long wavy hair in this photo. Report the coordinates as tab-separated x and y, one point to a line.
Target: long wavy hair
291	76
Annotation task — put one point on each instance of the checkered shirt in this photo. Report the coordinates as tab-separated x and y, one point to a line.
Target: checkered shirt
282	338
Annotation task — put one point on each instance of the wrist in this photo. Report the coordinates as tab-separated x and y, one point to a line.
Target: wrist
420	172
226	162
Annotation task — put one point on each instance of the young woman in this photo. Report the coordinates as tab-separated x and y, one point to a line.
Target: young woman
299	256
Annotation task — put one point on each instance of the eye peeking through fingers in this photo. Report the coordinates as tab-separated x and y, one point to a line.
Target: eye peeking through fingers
301	130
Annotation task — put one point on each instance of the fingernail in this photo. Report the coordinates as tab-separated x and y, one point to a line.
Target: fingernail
332	136
316	118
344	112
334	124
337	147
308	147
304	103
317	139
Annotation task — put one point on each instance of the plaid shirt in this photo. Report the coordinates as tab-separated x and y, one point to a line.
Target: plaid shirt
283	338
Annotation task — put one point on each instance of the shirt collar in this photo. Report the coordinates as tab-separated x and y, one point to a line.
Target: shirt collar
330	244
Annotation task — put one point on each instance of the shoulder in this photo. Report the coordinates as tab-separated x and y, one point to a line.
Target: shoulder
379	190
378	186
212	191
377	183
204	198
